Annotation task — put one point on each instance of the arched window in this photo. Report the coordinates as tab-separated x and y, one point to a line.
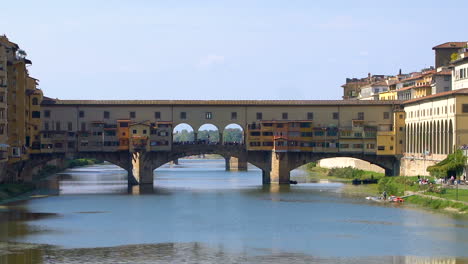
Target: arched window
35	101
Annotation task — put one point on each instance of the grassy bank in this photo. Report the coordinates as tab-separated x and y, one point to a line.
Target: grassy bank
52	169
397	186
438	204
347	174
11	190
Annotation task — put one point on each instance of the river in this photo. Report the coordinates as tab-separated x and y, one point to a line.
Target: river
199	213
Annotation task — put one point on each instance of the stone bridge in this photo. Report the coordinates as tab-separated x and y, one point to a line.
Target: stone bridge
275	166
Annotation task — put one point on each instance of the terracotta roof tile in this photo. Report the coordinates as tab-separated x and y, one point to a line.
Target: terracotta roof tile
58	102
443	94
451	45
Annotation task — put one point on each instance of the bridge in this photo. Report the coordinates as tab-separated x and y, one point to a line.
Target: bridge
278	136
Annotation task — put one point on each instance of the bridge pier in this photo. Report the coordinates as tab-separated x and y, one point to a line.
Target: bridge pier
236	164
141	171
395	169
278	171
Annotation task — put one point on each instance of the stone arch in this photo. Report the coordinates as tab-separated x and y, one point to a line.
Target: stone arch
183	133
438	134
211	136
386	163
450	138
227	139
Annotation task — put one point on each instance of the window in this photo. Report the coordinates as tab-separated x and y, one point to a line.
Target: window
465	108
47	113
401	116
401	128
57	125
310	116
360	116
144	131
46	125
183	115
285	115
81	114
386	115
132	115
208	115
134	131
70	126
157	115
106	115
123	124
336	115
344	145
35	101
233	115
83	126
2	129
36	114
381	148
259	116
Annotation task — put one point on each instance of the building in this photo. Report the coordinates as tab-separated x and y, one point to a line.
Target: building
443	52
352	87
436	125
20	101
459	68
371	91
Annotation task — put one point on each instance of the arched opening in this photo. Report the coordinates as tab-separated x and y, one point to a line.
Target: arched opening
183	134
233	134
339	167
35	101
450	135
208	134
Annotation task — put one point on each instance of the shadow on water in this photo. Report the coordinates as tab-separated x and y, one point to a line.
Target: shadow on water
187	253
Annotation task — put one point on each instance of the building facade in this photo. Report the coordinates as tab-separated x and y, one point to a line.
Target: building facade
20	101
436	126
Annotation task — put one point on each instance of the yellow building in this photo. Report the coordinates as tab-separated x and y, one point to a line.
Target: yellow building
388	95
391	139
139	136
18	92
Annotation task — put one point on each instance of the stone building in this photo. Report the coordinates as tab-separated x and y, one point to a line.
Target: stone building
20	101
436	126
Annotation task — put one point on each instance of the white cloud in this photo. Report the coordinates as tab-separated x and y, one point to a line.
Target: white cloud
210	60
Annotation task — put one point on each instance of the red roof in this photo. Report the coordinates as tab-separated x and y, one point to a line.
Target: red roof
443	94
451	45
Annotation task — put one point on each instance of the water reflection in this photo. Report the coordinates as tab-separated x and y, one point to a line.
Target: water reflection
231	215
191	253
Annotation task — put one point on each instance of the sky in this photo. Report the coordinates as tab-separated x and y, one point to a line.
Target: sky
214	49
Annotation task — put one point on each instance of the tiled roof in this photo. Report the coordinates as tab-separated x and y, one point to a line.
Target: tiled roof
443	94
451	45
216	102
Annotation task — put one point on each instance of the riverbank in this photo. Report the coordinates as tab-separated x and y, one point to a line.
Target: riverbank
11	191
430	196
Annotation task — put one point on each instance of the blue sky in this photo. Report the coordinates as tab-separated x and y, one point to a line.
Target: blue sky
243	49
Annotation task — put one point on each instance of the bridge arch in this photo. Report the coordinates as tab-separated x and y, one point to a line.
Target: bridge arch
183	133
233	134
208	133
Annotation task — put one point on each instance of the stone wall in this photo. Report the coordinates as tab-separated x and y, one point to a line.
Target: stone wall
349	162
414	167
